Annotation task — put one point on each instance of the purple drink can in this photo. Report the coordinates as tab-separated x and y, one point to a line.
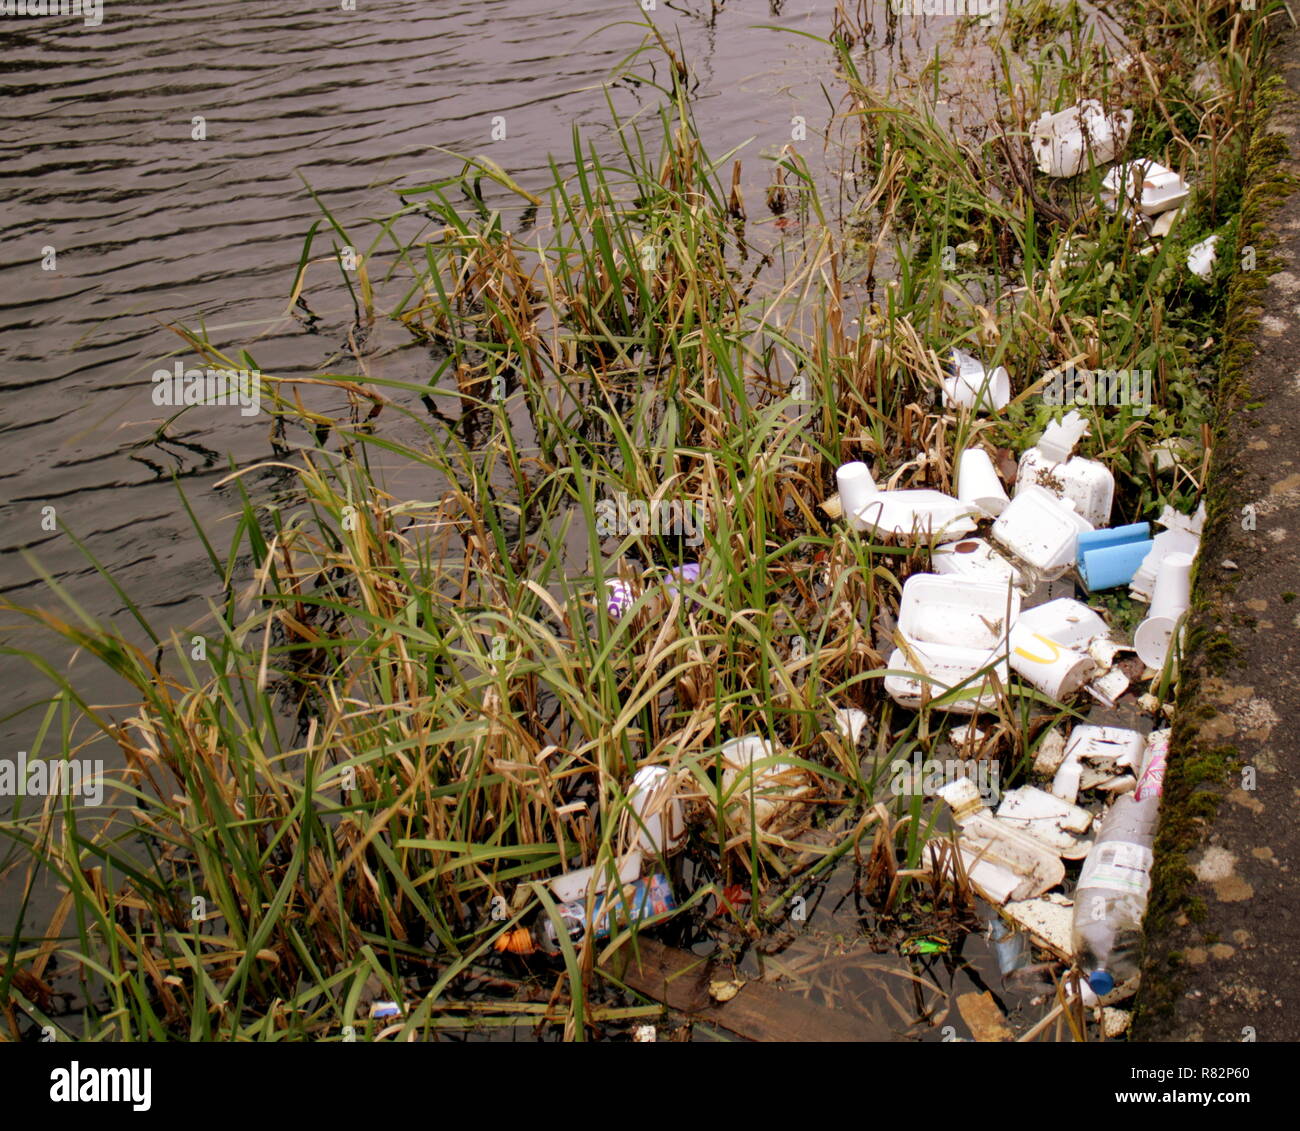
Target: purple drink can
618	598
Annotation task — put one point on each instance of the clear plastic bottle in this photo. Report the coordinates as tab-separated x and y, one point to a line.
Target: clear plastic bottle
1111	897
1008	946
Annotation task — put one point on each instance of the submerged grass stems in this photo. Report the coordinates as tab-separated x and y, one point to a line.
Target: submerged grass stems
407	709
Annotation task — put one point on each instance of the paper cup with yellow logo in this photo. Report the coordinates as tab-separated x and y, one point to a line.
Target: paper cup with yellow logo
1053	668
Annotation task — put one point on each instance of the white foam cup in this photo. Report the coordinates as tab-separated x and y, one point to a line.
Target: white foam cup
978	483
856	490
1172	592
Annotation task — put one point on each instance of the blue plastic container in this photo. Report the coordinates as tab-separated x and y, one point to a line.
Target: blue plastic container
1109	558
1114	536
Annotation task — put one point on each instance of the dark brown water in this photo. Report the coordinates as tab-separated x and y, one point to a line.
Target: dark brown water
151	226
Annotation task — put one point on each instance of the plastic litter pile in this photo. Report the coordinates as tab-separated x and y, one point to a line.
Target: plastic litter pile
1144	191
998	617
988	607
987	623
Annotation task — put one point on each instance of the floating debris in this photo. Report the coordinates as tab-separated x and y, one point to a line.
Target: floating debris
1111	748
1050	753
983	1017
1000	861
952	629
644	899
969	385
1041	529
725	989
1058	824
1165	223
979	484
974	557
1063	142
906	514
1182	535
653	799
1066	621
619	597
1054	669
924	945
1144	185
928	671
851	722
572	887
1115	1022
1169	601
1047	920
769	787
1109	558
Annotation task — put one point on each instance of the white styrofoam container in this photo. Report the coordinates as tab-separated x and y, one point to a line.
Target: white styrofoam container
975	558
915	512
1002	861
1058	824
948	667
1118	744
957	611
1110	687
1066	621
1146	185
1062	142
1089	485
1041	530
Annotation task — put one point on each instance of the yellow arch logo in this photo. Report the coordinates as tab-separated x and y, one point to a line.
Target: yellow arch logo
1051	644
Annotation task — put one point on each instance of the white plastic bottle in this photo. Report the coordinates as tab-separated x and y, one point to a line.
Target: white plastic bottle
1051	464
1111	896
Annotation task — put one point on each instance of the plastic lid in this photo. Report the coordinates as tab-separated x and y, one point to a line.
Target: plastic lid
1059	437
1101	982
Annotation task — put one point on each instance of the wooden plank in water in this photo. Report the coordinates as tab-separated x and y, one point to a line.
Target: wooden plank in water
759	1012
983	1017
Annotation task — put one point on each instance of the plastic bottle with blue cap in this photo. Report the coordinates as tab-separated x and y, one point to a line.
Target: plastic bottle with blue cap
1111	896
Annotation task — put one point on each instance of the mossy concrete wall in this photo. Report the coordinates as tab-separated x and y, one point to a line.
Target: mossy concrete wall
1222	954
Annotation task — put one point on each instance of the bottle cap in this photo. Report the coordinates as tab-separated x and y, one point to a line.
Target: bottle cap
1101	982
518	941
1058	438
